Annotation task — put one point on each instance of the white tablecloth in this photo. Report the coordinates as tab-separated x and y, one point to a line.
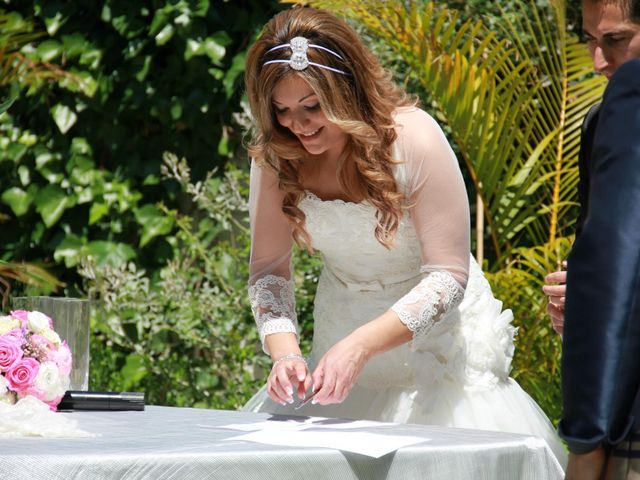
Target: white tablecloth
168	443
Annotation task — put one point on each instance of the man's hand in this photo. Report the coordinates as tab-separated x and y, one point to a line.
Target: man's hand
555	289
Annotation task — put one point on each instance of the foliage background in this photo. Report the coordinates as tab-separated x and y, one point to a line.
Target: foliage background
164	241
80	176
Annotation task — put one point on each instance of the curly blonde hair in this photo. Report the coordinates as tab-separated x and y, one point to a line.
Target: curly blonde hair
361	103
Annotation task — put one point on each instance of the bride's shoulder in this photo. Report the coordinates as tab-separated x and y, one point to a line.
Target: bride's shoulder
414	124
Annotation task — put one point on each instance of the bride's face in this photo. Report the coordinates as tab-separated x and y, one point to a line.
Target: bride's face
297	108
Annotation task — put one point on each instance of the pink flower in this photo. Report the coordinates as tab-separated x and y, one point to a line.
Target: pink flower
34	361
62	358
20	315
16	336
53	404
41	342
34	392
10	354
22	374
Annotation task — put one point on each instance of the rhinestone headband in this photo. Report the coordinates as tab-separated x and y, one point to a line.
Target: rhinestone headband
299	59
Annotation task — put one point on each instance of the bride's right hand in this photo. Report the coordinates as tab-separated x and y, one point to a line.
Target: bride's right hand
288	375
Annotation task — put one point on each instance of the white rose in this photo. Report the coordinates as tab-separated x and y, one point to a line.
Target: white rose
50	381
6	395
8	323
38	322
51	336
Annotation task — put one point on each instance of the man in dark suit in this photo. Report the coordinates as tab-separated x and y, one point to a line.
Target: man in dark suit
608	27
601	345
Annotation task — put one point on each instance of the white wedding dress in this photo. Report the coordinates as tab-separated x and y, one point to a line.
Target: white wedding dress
455	372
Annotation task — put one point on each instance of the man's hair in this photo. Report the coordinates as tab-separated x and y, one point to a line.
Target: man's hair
631	8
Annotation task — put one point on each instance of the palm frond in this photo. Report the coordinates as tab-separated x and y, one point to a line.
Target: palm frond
27	274
16	68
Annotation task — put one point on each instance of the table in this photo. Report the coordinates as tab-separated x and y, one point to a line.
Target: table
164	443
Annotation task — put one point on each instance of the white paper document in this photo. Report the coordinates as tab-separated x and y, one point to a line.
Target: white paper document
266	425
301	423
370	444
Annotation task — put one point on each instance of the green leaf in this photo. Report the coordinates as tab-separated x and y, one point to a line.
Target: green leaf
80	146
51	202
223	145
15	151
194	48
70	250
25	175
214	50
236	69
134	371
64	117
110	253
164	35
222	38
13	21
13	95
91	58
4	105
48	50
54	23
144	69
176	109
18	200
153	223
202	8
73	45
97	211
44	157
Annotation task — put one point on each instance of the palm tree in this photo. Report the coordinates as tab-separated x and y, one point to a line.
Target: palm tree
514	99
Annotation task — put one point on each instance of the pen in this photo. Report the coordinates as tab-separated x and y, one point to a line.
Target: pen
306	400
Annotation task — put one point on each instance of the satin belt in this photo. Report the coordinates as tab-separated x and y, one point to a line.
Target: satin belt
371	284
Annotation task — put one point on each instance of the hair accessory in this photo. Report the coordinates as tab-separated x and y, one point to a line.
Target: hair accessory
299	60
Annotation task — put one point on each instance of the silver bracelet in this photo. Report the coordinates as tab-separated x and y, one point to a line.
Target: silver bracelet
289	356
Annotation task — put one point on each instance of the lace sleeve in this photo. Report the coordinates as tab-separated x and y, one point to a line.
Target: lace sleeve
273	306
427	302
270	282
439	211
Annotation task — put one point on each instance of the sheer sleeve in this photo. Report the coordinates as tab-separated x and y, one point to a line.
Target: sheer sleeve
439	210
271	286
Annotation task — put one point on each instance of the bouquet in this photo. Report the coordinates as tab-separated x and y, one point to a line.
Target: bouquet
34	361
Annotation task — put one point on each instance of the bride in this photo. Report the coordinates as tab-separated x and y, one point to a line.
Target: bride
406	328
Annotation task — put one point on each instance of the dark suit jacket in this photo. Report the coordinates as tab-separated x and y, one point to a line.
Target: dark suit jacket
587	132
601	345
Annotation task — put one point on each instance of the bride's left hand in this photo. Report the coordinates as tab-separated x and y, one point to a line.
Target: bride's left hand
338	370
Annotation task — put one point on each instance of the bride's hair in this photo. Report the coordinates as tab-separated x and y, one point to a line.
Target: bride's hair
360	99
